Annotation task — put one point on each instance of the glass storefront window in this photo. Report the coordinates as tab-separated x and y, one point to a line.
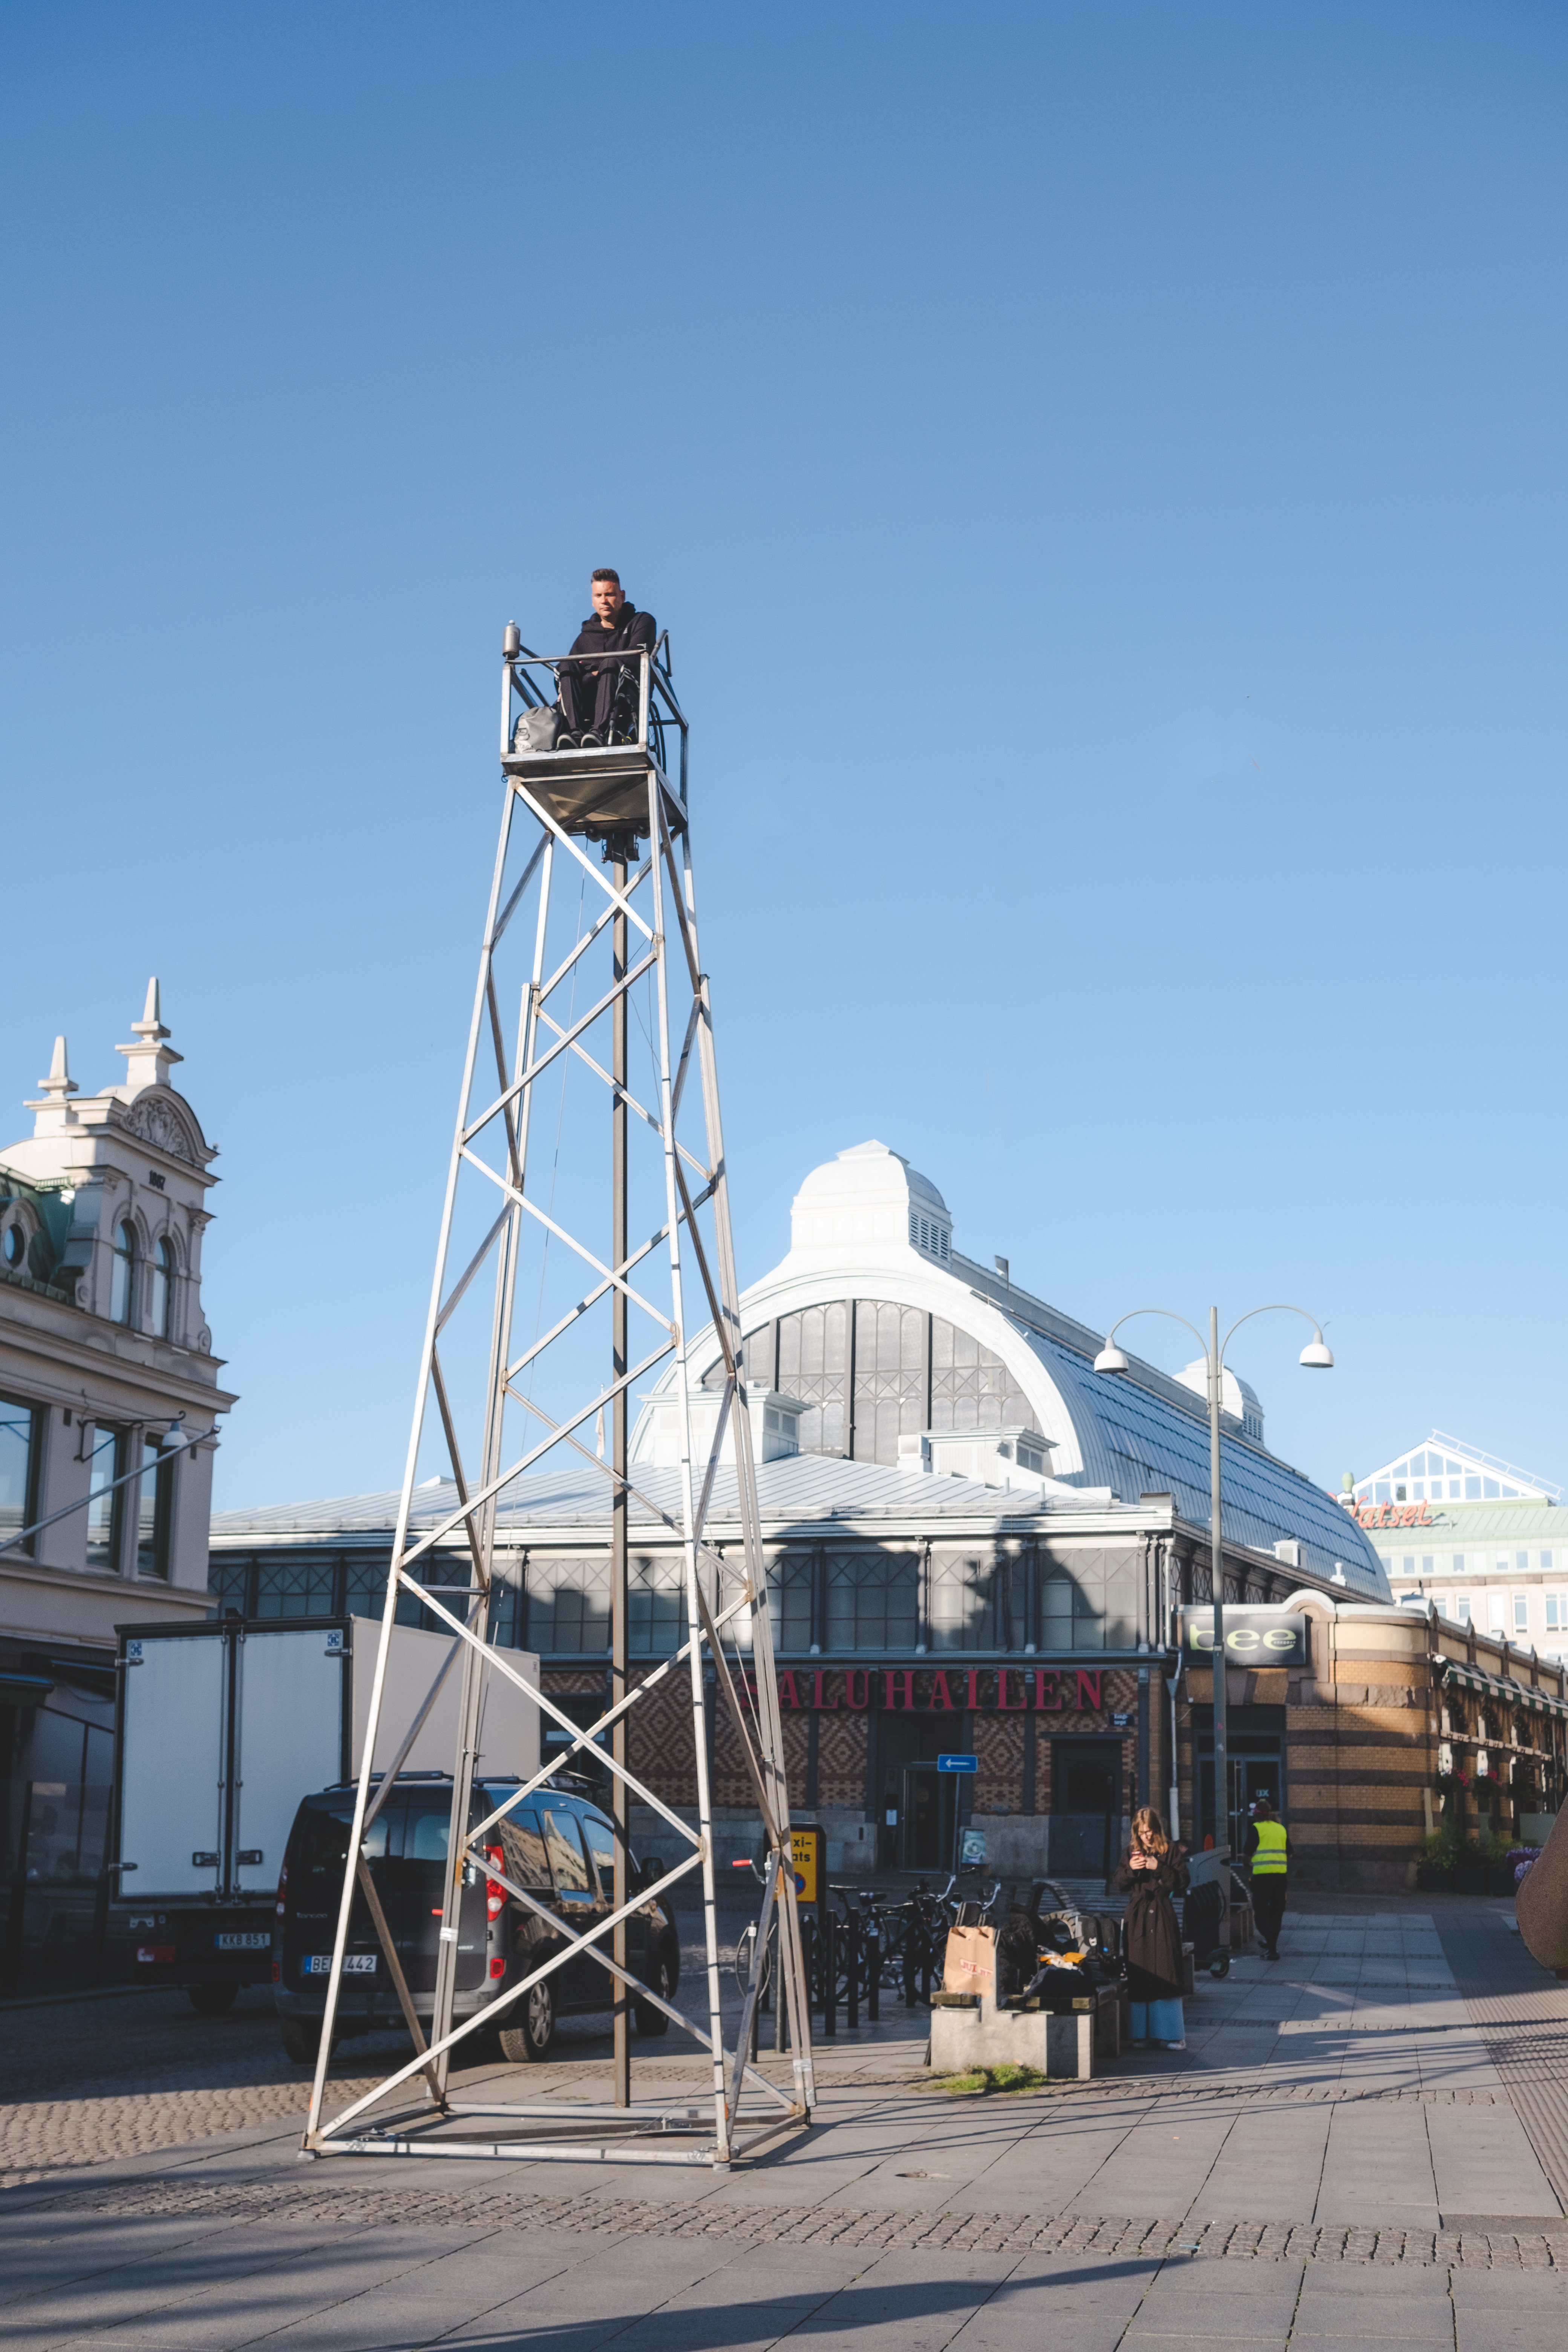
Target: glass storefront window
109	1452
154	1509
18	1466
873	1600
960	1600
568	1604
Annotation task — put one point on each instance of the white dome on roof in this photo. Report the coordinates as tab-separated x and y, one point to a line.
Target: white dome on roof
1238	1400
870	1194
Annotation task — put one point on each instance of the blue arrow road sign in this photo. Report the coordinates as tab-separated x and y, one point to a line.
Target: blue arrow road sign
958	1763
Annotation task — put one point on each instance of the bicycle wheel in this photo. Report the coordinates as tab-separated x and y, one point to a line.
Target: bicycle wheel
892	1932
862	1967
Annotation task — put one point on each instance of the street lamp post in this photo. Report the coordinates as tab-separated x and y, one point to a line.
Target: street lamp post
1317	1357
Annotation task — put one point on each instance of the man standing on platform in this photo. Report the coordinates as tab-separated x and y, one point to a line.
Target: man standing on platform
592	688
1268	1853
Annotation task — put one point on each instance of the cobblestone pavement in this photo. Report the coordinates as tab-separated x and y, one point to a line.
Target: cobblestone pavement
86	2082
263	2198
1386	2109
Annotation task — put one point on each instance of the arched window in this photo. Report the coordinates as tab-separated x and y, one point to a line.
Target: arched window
164	1267
869	1372
123	1294
14	1247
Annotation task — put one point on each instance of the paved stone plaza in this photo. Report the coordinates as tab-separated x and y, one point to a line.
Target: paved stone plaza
1369	2139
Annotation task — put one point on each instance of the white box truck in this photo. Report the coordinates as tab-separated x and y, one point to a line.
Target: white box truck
223	1728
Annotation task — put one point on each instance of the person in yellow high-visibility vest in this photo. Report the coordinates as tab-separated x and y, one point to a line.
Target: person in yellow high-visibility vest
1268	1854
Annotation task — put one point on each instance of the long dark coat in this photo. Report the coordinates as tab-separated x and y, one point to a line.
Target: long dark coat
588	688
1154	1938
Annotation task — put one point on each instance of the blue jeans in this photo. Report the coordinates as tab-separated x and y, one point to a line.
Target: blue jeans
1157	2021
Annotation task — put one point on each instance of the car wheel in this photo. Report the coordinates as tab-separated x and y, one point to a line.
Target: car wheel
211	1999
661	1977
302	2037
532	2039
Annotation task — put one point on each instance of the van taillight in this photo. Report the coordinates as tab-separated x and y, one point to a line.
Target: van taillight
283	1883
495	1895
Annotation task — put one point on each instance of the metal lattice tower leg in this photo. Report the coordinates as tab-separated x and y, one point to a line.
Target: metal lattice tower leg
526	1202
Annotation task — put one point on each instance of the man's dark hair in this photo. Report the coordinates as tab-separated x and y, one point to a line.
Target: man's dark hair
604	572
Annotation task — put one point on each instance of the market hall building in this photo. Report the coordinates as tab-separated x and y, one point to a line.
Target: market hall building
976	1544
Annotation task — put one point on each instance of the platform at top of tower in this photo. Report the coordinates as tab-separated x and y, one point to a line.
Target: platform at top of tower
596	790
597	786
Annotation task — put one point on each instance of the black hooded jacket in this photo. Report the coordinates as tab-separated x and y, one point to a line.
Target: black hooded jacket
586	699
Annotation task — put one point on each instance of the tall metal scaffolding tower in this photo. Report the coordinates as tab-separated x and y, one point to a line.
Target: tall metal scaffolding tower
536	1203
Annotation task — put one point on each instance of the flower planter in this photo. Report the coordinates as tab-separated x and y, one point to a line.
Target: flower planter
1470	1875
1434	1878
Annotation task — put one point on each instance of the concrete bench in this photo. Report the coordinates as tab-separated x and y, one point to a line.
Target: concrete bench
1071	2044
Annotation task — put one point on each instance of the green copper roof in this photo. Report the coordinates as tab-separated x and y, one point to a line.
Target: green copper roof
1457	1526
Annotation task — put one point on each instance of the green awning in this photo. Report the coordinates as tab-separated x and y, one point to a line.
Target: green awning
1506	1693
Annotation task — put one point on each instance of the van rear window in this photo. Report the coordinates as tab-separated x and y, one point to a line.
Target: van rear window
425	1839
321	1843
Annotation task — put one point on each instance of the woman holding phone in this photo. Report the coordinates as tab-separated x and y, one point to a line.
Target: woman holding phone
1150	1872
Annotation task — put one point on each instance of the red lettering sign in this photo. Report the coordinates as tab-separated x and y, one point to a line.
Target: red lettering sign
905	1689
1394	1515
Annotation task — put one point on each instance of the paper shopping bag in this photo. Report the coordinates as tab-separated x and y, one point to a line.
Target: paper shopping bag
971	1962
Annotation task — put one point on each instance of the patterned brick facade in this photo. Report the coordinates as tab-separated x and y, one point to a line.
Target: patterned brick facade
820	1715
840	1759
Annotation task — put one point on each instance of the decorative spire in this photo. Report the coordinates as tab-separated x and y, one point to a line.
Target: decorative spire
150	1025
59	1082
54	1106
149	1059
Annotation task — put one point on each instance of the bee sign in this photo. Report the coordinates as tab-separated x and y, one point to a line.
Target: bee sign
1253	1637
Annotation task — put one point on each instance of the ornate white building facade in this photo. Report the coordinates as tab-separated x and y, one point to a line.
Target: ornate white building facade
104	1351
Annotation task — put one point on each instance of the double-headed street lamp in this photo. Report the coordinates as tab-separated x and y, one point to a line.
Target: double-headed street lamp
1317	1357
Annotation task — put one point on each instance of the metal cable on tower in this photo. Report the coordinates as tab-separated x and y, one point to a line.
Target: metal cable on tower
618	1258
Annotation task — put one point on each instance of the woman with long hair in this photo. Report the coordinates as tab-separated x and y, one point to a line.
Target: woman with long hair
1150	1872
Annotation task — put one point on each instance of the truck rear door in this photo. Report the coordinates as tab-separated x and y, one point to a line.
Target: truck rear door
288	1742
173	1749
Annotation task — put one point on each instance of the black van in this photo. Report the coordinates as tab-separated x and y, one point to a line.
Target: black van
558	1845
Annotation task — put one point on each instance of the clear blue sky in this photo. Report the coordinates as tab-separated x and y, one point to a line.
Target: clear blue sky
1104	471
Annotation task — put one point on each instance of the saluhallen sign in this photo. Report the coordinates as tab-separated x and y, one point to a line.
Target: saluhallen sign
1253	1637
951	1690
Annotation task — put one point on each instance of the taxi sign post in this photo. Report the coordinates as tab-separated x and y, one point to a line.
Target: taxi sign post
806	1853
